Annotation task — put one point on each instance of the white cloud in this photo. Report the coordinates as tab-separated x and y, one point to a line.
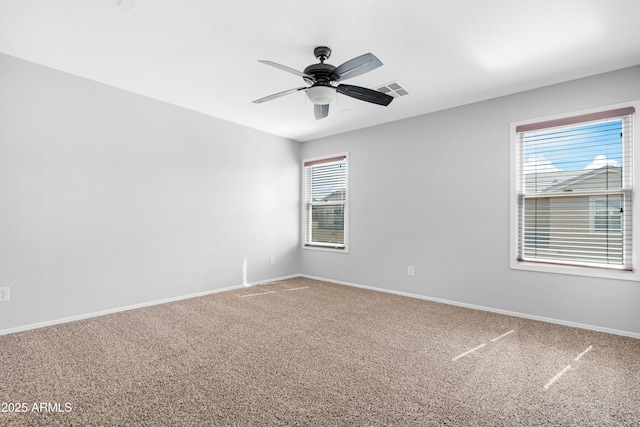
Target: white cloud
601	161
538	164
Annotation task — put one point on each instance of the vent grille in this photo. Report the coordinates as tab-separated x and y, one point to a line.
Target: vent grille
394	89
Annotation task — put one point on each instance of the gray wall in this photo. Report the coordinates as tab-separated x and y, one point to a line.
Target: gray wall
433	192
109	199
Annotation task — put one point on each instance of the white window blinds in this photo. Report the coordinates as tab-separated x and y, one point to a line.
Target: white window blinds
575	190
325	189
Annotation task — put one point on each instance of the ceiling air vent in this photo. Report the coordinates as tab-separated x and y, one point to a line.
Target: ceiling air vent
394	89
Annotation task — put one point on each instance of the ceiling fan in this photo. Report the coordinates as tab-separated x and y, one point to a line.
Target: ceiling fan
324	81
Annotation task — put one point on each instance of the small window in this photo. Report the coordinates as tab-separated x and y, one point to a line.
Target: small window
573	196
325	203
606	215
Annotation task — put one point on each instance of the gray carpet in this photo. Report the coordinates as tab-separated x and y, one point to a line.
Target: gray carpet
303	352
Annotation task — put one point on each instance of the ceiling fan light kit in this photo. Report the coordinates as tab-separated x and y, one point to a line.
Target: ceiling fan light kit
321	95
324	81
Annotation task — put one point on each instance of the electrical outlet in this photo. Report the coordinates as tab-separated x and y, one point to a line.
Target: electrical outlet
410	271
273	260
4	294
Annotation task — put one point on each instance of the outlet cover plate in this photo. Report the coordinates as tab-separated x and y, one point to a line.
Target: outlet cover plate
4	294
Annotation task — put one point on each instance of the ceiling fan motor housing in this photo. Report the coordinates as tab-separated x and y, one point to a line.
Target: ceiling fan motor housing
321	73
321	92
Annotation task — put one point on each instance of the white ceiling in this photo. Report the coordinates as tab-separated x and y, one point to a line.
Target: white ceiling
202	54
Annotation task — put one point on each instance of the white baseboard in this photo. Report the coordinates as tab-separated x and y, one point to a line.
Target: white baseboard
355	285
483	308
134	306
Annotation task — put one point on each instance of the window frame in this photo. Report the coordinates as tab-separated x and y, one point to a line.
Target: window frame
515	171
306	212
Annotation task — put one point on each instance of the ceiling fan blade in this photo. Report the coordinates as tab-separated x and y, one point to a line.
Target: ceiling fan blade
288	69
355	67
278	95
321	111
364	94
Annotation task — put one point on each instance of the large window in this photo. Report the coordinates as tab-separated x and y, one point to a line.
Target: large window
325	202
573	192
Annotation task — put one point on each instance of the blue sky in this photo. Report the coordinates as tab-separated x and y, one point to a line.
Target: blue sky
574	148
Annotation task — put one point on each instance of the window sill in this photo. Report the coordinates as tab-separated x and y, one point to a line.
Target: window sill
327	248
604	273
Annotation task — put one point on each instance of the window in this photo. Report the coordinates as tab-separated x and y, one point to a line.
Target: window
572	187
606	215
325	200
